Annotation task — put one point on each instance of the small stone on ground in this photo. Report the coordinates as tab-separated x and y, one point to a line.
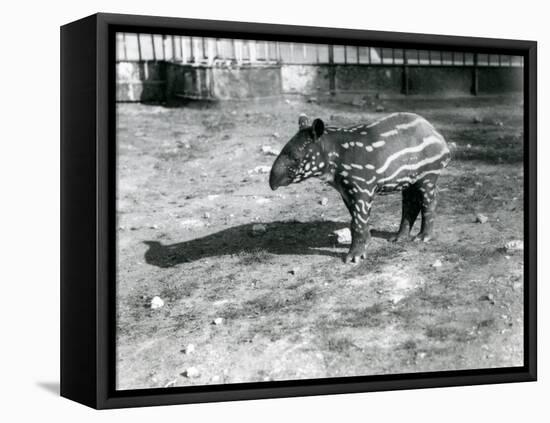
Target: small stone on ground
343	236
481	218
437	264
514	246
156	303
191	372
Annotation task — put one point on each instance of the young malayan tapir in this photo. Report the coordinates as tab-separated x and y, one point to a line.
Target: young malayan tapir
400	152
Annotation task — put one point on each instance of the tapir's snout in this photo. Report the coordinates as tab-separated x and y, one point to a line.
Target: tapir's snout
279	173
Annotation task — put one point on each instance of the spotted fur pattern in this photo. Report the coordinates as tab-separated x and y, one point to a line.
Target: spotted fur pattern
401	152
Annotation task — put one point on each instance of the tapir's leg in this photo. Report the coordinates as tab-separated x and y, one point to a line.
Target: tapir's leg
412	202
348	201
360	234
427	188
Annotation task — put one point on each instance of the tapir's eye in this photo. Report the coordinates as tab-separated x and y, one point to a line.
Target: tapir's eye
295	159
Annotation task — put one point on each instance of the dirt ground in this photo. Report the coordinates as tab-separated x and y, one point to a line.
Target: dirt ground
190	189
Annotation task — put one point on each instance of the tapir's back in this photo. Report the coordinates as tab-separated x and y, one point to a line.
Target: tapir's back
397	148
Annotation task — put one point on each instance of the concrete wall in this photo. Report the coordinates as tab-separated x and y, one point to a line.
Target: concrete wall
447	81
141	81
188	82
491	80
246	82
162	81
422	80
368	79
304	79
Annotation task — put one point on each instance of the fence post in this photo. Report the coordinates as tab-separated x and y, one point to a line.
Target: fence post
203	48
331	70
475	76
139	48
153	46
164	40
173	40
405	86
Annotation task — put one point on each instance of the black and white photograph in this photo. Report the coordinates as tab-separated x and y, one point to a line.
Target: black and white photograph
275	211
291	211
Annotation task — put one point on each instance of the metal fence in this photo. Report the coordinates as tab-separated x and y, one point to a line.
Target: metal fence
208	51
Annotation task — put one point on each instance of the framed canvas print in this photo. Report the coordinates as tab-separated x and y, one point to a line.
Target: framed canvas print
255	211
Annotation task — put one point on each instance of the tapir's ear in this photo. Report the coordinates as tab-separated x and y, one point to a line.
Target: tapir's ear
303	121
318	127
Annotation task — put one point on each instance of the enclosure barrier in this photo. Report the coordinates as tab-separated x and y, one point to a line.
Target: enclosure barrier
153	67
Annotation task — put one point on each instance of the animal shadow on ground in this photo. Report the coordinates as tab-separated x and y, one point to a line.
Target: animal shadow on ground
279	238
293	238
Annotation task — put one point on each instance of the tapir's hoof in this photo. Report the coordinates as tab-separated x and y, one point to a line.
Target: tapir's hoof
399	237
422	238
355	255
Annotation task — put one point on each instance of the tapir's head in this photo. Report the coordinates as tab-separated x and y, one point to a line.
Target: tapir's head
297	160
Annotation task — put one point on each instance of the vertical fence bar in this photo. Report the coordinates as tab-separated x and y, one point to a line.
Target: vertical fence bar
181	48
393	56
173	40
370	55
357	53
405	82
191	50
164	47
475	76
154	49
346	55
332	70
139	47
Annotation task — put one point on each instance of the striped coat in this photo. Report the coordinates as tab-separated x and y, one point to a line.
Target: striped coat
400	152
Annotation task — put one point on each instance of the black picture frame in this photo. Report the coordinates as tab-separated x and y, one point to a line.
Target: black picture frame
88	211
